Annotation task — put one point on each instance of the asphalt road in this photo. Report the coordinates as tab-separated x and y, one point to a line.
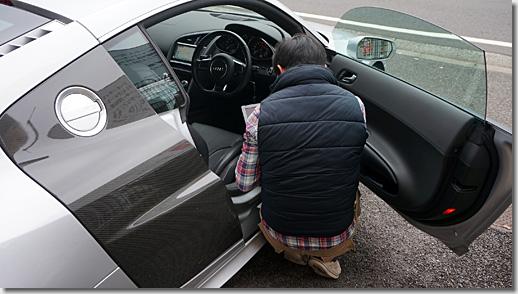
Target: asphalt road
391	253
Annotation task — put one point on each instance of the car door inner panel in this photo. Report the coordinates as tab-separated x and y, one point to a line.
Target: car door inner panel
445	163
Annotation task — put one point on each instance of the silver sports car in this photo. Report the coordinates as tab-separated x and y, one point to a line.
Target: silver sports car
121	124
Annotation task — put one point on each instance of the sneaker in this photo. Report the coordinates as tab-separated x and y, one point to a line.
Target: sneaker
296	258
330	269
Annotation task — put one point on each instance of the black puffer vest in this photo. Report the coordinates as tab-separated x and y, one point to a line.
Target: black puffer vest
311	136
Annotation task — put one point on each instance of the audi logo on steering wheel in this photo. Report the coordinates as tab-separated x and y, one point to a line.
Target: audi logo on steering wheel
218	69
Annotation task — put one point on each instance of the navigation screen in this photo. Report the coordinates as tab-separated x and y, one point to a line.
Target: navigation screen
183	52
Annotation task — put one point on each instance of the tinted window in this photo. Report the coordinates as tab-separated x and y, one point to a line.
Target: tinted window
142	64
426	56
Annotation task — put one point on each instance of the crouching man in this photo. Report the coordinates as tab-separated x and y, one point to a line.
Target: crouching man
303	145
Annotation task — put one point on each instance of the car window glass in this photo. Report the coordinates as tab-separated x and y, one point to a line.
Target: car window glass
144	67
425	56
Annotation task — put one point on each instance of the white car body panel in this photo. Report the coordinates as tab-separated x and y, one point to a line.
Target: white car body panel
122	11
46	56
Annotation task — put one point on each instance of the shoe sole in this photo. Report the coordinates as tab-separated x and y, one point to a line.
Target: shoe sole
321	269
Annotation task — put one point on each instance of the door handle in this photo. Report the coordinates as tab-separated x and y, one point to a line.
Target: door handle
378	184
461	188
349	79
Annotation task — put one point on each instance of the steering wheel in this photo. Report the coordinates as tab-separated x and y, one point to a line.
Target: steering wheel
221	74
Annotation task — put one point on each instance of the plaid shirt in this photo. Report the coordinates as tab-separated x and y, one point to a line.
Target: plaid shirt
248	169
248	172
311	243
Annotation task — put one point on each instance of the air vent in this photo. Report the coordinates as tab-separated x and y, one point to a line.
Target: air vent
29	37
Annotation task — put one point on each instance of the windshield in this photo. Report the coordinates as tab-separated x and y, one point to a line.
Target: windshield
427	56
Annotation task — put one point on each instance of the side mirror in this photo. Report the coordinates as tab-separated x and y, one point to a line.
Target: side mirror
370	48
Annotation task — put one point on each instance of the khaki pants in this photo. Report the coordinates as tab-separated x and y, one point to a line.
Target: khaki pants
328	254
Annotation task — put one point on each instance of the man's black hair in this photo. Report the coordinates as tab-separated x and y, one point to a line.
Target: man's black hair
297	50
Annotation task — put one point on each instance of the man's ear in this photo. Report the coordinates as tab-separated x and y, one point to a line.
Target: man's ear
281	69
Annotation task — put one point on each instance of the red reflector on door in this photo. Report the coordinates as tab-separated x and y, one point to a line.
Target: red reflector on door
448	211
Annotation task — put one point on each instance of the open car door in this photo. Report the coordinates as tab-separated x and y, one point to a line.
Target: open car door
431	154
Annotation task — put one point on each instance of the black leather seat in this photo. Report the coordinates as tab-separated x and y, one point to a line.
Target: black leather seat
219	148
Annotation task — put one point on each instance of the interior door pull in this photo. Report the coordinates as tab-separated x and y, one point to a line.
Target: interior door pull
350	79
380	185
460	188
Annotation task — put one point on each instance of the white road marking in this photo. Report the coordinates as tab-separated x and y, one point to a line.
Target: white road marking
429	34
489	42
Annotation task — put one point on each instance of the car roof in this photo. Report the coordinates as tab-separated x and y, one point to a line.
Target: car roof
79	27
100	17
105	18
77	10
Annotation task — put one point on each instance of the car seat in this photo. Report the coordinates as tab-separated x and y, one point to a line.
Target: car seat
219	148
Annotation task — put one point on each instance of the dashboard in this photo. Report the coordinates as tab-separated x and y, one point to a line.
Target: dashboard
260	44
260	49
178	38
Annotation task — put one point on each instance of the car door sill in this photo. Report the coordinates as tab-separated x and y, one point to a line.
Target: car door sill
228	264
